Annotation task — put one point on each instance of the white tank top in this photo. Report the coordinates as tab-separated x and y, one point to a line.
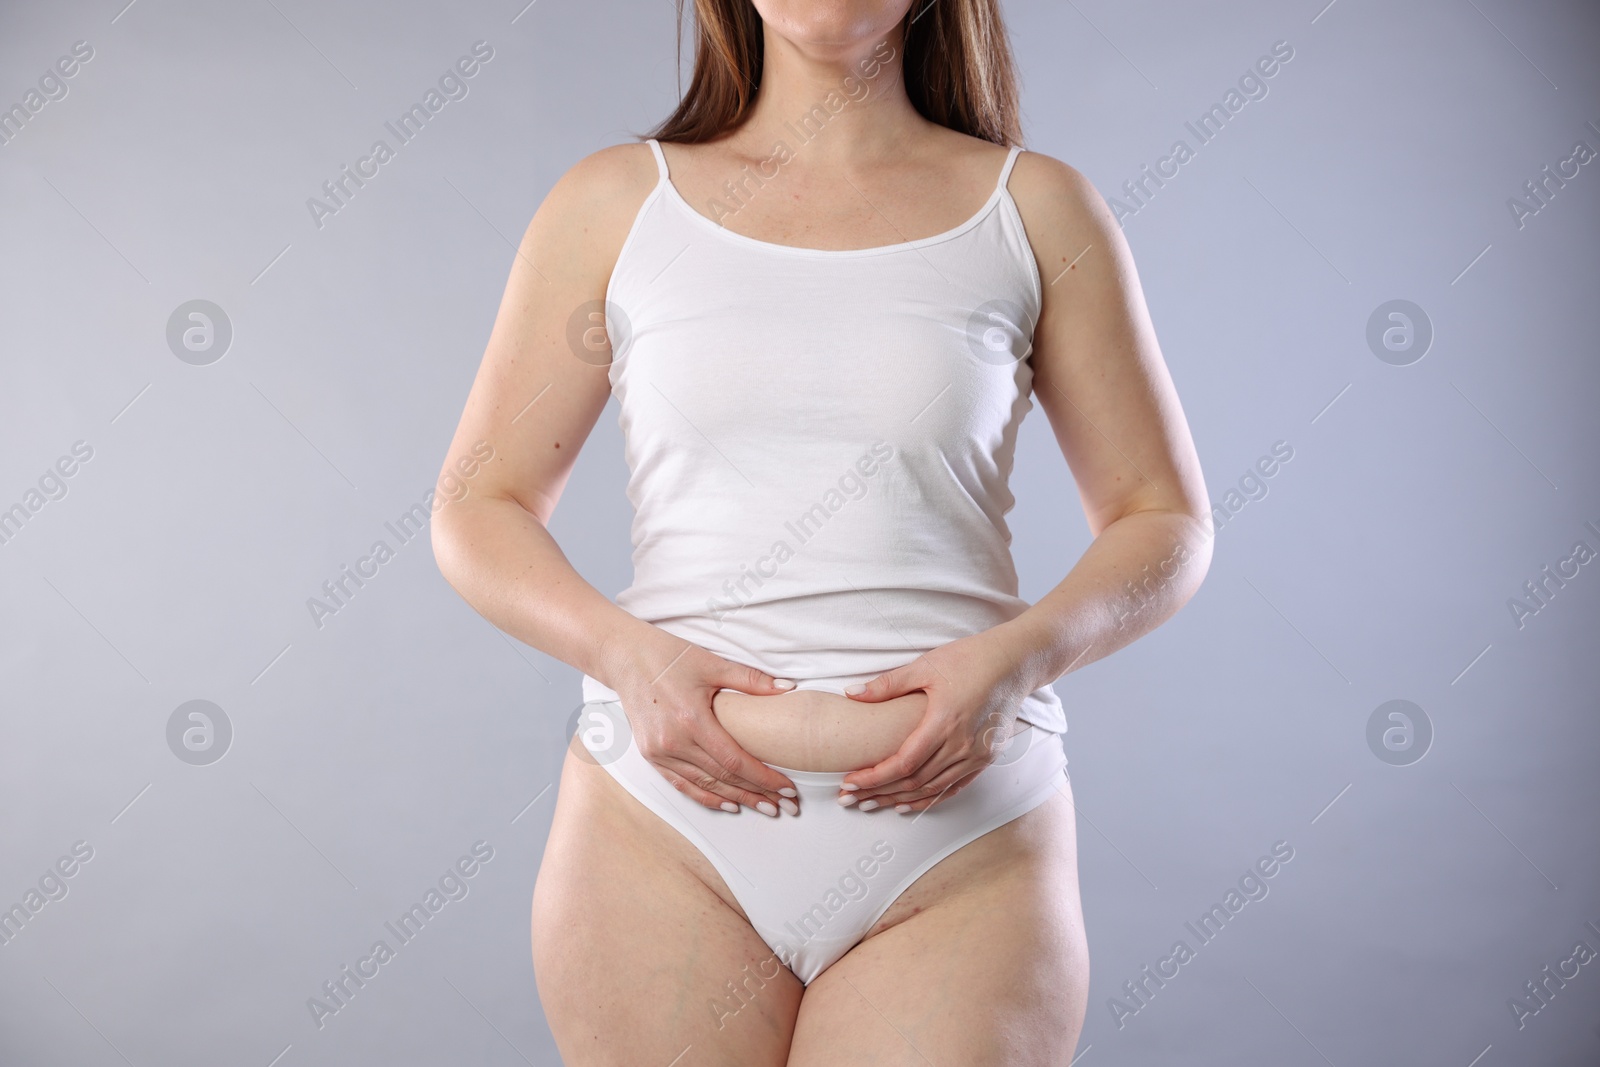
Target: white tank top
819	443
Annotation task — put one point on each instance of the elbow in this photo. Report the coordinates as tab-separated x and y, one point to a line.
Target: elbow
1188	560
444	532
1203	529
1200	534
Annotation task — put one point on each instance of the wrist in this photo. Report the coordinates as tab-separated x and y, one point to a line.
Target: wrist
619	641
1034	650
630	646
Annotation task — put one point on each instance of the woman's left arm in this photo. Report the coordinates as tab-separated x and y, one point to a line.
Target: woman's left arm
1100	378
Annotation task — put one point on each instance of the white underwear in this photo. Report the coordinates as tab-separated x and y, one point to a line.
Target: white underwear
814	884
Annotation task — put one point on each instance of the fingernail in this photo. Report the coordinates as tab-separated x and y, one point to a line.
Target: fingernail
783	683
847	800
789	806
868	805
902	808
766	807
857	687
728	805
849	786
790	793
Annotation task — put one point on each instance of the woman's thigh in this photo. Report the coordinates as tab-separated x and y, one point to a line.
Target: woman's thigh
640	953
983	960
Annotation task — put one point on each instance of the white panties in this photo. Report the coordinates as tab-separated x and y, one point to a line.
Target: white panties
815	883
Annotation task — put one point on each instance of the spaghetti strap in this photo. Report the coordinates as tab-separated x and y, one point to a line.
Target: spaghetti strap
661	159
1005	171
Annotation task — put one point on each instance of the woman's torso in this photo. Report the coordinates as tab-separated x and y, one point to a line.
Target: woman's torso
825	241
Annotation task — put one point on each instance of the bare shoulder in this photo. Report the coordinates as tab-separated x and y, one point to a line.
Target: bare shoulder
620	172
1062	211
588	212
1055	193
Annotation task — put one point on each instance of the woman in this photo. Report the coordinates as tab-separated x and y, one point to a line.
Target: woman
817	810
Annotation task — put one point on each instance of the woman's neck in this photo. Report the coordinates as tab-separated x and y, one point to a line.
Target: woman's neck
837	105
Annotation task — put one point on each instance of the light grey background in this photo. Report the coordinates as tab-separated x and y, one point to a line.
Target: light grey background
370	753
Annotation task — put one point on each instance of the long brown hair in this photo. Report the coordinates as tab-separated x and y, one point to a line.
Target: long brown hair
957	66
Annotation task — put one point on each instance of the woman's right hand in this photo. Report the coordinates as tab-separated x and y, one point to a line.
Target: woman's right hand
665	685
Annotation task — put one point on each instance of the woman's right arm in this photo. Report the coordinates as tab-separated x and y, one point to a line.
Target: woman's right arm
531	407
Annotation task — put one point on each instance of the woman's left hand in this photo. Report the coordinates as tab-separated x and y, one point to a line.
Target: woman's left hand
975	689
